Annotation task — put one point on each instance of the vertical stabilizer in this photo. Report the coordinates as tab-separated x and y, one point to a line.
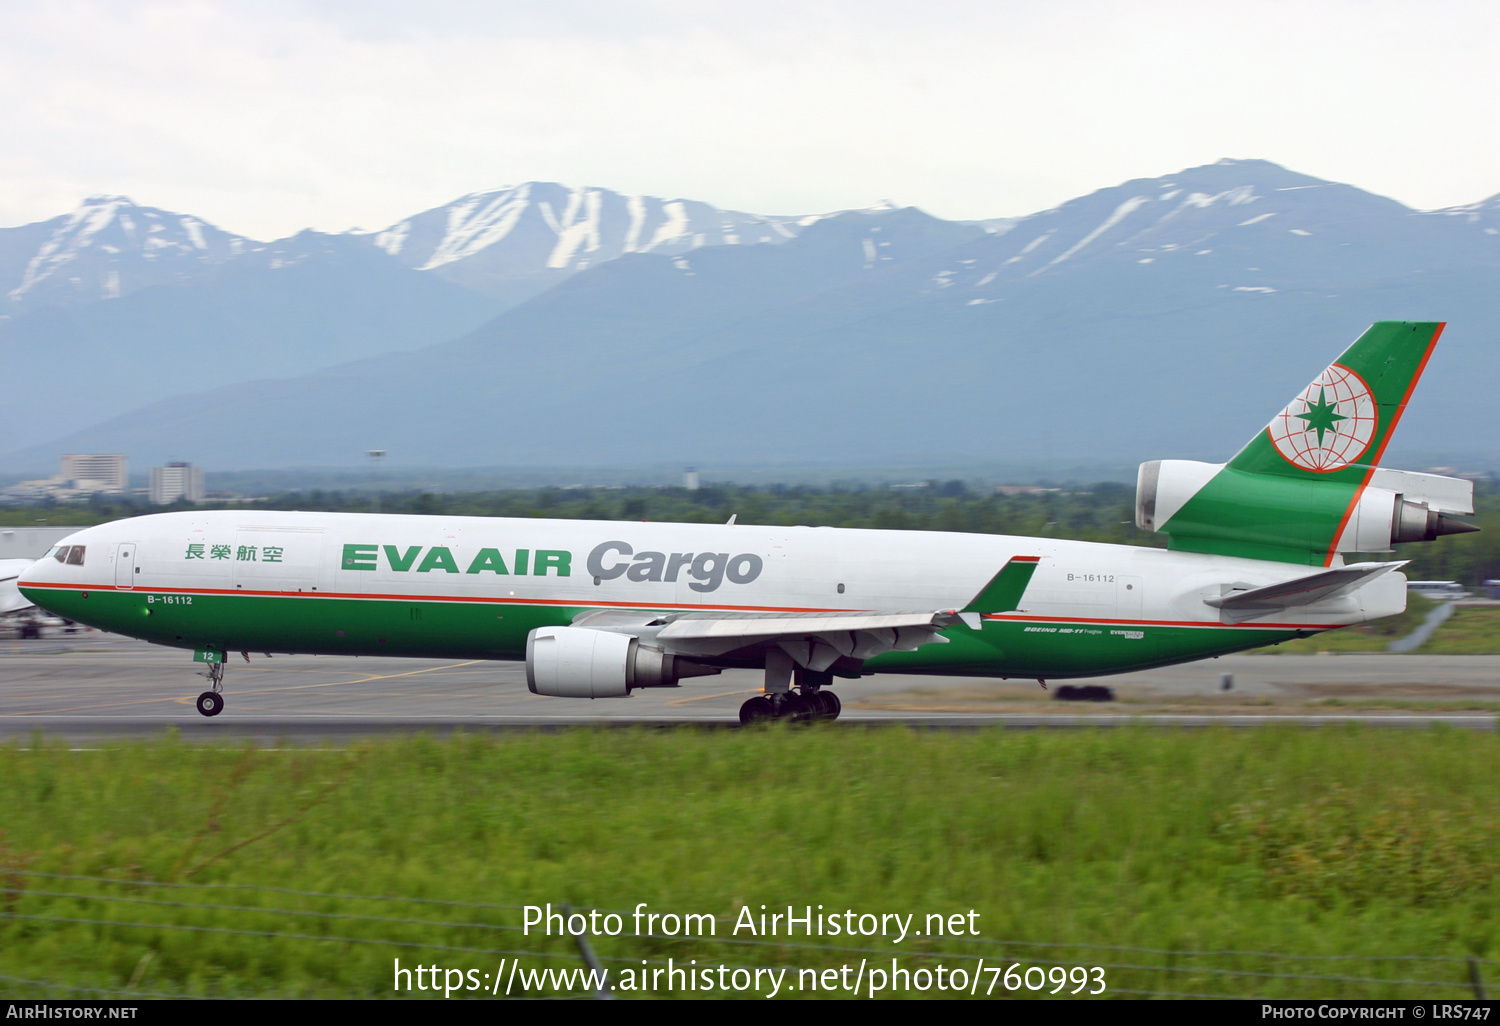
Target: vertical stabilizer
1341	423
1289	494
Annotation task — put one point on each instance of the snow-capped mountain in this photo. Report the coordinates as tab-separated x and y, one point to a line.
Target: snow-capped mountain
526	238
105	249
1483	216
509	244
1156	318
1160	317
1245	226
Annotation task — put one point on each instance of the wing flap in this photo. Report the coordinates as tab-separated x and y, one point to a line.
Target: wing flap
778	624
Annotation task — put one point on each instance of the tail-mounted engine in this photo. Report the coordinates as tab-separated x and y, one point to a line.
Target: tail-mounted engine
1394	506
576	662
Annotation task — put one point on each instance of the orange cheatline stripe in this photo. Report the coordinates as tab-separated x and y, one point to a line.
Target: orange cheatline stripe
1410	388
499	600
1009	618
506	600
1390	433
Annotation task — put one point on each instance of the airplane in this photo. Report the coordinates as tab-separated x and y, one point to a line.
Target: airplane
1255	556
13	605
11	600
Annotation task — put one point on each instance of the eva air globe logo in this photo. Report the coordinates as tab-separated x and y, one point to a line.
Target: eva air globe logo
1328	426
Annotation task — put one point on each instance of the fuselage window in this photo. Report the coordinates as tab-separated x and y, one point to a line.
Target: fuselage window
75	555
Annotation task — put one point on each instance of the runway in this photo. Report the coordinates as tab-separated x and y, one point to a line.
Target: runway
93	687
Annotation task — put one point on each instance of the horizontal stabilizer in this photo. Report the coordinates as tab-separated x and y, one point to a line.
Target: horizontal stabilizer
1301	591
1003	593
1451	495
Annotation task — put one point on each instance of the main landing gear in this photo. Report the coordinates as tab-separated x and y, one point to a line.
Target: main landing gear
211	703
808	703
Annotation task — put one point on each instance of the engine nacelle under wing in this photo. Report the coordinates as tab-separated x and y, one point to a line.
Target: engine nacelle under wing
575	662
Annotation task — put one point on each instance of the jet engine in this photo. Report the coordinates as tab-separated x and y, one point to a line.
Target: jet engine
576	662
1392	507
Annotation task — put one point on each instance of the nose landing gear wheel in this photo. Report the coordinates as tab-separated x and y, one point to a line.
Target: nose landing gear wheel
210	703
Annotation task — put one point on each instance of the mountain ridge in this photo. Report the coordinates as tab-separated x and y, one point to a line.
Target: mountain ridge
1156	318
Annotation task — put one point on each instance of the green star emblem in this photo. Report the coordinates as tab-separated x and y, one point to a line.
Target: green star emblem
1322	416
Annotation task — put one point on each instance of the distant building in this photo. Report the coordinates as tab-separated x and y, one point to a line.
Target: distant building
690	479
176	481
82	475
95	472
1438	591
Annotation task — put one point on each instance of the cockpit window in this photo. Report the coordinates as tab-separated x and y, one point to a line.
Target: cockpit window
75	555
61	553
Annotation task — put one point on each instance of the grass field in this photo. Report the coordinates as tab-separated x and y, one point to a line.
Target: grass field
1467	632
1368	637
1470	631
1279	862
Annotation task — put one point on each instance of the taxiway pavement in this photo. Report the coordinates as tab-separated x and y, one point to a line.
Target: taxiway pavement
95	686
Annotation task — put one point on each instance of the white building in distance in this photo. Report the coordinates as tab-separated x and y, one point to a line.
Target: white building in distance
96	472
176	481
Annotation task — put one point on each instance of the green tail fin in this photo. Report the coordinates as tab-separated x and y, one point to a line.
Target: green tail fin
1341	423
1288	494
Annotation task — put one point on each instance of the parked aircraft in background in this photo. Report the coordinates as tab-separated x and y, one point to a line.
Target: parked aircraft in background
11	599
15	607
1256	555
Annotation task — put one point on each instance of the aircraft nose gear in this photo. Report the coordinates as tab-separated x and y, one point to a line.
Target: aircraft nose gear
211	703
810	702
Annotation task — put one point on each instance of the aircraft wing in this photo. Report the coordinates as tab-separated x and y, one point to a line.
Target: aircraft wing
761	625
11	599
1301	591
815	640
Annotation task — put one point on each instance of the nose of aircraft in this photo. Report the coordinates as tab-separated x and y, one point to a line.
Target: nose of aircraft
53	568
34	573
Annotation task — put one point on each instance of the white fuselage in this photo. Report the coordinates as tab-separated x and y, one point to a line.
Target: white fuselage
597	564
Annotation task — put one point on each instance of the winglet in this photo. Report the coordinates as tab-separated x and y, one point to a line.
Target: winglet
1003	593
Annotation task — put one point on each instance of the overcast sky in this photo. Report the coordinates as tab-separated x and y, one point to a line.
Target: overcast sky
276	115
